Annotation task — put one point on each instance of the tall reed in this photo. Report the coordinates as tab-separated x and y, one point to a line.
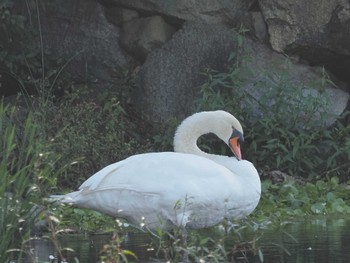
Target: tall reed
24	178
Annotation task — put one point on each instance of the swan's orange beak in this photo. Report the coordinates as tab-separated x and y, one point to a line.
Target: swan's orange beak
235	147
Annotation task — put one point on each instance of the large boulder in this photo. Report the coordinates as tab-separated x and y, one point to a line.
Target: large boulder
142	35
79	32
118	15
316	30
169	79
308	91
209	11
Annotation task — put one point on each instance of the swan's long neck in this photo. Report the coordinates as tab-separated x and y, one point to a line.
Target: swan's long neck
187	134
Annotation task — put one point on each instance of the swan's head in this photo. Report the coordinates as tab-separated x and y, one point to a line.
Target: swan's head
221	123
230	131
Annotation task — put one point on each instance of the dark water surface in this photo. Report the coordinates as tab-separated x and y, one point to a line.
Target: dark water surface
311	240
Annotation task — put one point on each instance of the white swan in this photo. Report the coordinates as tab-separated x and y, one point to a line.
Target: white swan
186	188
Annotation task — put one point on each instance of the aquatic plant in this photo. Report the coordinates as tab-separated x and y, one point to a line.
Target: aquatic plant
25	176
293	199
114	253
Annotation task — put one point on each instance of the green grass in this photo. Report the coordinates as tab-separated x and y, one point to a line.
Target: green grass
47	149
23	172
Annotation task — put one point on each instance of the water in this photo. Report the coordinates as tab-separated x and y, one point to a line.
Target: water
311	241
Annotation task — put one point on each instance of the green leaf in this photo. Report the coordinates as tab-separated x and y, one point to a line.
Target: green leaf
318	208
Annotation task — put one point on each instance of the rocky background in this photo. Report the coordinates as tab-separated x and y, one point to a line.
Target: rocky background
168	44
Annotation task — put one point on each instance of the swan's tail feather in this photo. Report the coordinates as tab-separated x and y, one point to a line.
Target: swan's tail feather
56	198
64	199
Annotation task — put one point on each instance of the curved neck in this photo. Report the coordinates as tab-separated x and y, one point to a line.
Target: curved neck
187	134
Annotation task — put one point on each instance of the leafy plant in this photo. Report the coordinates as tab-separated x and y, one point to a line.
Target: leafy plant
90	135
26	176
283	122
292	199
13	31
83	220
114	253
22	54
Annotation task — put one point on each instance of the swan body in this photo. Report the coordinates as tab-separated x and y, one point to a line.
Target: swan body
186	188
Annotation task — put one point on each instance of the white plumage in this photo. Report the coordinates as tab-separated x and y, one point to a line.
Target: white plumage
186	188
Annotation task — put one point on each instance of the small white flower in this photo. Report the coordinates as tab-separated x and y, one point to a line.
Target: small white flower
120	224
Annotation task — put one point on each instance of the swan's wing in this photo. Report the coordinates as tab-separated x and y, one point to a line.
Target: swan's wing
93	181
153	172
175	175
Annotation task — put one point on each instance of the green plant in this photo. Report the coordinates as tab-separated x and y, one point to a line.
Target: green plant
292	199
90	135
220	243
163	140
114	253
283	123
13	31
83	220
167	244
24	60
26	177
202	248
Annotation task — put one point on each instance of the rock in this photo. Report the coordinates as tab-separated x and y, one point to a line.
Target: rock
279	178
169	80
258	25
266	69
79	32
317	30
141	36
119	16
177	11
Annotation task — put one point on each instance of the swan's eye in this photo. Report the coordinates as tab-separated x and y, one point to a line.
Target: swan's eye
237	134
